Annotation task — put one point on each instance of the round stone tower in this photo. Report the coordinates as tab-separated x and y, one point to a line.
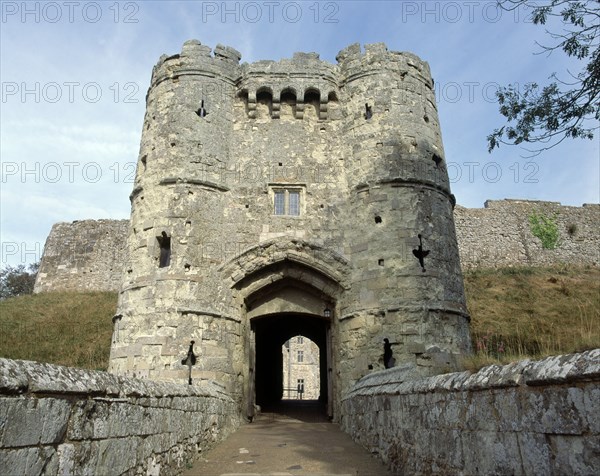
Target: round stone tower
170	294
290	198
406	282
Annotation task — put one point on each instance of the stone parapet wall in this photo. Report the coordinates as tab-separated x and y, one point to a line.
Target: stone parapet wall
528	417
86	255
61	420
500	234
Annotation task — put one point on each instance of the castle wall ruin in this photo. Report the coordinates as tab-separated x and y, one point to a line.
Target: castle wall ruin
86	255
500	234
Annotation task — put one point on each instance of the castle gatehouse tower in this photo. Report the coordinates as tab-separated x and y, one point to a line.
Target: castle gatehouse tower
277	199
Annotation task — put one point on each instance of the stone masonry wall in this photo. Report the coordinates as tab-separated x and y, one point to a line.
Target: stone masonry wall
500	235
89	255
83	255
60	420
523	418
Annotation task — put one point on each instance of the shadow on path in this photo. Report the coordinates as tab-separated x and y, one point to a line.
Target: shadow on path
292	438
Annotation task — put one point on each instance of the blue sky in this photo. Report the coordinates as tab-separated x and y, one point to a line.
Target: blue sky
74	77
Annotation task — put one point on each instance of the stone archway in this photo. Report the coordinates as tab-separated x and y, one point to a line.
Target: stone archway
276	312
270	334
286	288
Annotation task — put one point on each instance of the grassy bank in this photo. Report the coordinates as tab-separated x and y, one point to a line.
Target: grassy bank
532	312
66	328
516	313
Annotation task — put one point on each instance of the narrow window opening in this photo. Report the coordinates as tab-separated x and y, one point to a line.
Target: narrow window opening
380	262
426	119
300	356
288	103
164	241
377	219
312	97
368	111
279	202
437	159
187	266
300	388
144	161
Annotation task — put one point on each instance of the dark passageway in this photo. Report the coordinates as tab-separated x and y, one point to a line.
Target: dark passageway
271	333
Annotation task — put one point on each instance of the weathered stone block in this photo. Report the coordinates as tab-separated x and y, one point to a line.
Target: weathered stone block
32	422
490	452
575	454
535	453
28	461
555	410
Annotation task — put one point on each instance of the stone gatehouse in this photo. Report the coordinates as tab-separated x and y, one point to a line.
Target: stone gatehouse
277	199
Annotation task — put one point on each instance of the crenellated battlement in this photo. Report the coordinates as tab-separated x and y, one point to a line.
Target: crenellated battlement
196	59
377	59
302	80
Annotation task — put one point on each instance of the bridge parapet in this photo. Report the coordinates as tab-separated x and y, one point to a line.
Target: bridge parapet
61	420
523	418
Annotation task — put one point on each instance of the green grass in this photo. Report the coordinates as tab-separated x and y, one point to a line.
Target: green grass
65	328
516	313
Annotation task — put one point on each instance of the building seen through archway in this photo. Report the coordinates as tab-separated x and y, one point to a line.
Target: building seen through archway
301	376
304	339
